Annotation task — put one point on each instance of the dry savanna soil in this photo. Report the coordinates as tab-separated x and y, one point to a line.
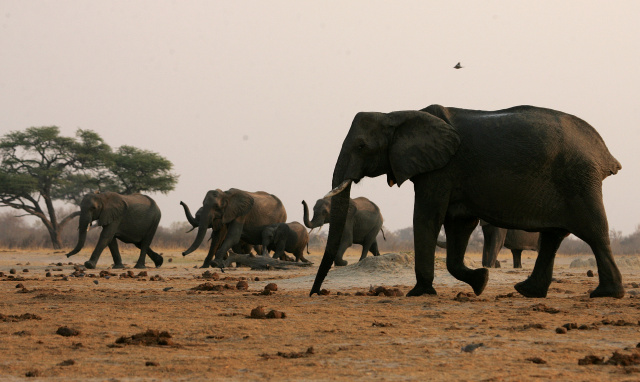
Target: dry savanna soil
178	322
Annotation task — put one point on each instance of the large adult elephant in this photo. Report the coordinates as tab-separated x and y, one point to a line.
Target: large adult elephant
548	178
514	239
364	221
230	213
242	247
129	218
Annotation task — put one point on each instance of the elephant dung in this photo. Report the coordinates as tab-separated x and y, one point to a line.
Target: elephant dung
66	331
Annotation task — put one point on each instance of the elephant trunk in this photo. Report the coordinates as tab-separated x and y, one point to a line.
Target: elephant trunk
202	230
83	228
190	217
339	209
313	223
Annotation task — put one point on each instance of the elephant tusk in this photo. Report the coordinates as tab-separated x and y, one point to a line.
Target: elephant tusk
338	189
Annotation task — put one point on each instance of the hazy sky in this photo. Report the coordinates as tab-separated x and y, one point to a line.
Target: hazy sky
258	95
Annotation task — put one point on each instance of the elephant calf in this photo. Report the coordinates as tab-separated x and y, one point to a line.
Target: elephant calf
285	237
130	218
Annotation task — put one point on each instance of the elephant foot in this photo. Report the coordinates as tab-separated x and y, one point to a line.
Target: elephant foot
340	263
89	265
420	290
204	266
529	288
117	266
478	280
158	262
140	266
497	264
613	290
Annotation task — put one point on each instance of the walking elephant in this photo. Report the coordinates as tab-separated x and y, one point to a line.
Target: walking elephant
548	178
230	213
285	237
364	221
514	239
129	218
242	247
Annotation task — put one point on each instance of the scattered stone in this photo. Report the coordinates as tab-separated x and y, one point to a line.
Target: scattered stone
620	359
276	314
543	308
143	274
310	351
242	285
208	287
68	362
635	285
256	278
12	271
149	338
571	325
381	324
22	333
48	274
561	330
18	318
589	273
265	292
471	347
66	331
536	360
25	270
271	287
463	297
20	286
324	292
32	374
167	289
151	363
258	312
95	282
156	278
591	360
211	275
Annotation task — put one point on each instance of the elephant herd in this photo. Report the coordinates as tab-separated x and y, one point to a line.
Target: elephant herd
532	175
241	221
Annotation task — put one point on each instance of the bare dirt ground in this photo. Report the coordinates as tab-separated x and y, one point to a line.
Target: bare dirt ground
498	336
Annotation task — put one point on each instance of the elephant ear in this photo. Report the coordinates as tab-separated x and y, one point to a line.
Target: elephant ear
113	208
421	143
240	204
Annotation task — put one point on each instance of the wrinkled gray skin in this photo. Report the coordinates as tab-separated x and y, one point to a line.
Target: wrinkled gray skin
514	239
363	223
285	237
230	213
130	218
241	248
548	178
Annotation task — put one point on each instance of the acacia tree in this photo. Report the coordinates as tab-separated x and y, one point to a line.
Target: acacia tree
39	167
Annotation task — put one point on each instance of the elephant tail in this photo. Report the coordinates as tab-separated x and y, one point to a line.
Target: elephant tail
385	239
308	253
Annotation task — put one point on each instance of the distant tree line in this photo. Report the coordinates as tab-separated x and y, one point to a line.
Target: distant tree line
16	233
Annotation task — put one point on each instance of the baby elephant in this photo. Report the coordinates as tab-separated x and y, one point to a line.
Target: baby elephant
285	237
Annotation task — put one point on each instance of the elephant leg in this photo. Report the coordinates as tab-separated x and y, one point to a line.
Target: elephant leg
374	248
115	253
234	233
106	236
345	243
517	258
493	241
154	256
366	246
458	231
215	236
428	216
538	282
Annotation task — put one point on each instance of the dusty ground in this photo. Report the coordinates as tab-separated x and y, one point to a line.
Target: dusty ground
332	337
